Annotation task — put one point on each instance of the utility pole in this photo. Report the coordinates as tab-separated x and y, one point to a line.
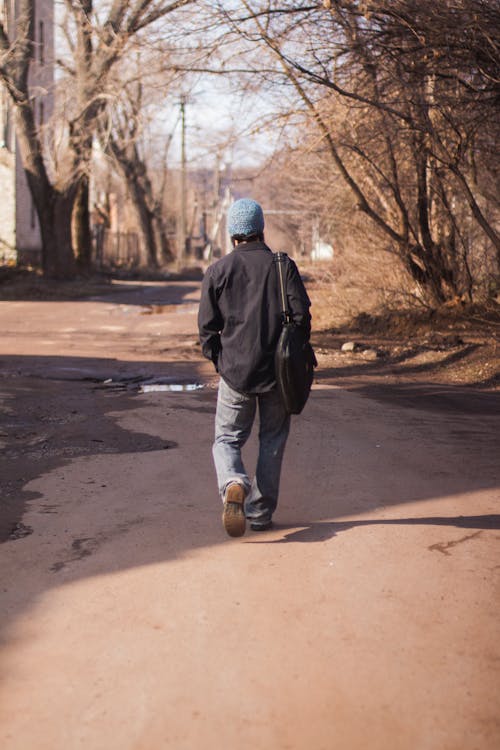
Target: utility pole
183	221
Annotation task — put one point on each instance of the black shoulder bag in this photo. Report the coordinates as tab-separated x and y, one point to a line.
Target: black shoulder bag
294	358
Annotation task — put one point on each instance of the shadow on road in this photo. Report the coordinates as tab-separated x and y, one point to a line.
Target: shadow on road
55	409
432	397
113	479
167	293
321	531
123	293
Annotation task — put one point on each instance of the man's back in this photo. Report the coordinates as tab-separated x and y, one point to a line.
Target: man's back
240	315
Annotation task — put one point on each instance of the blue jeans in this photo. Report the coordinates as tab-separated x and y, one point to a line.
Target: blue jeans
233	423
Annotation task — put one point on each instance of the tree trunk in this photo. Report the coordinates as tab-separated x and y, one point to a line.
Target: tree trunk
55	222
54	208
161	239
145	220
80	226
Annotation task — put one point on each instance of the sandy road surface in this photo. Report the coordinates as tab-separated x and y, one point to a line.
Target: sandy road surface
368	618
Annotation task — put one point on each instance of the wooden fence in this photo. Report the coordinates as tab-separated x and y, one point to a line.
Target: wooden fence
120	249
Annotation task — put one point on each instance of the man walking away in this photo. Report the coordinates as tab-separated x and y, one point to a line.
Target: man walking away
240	323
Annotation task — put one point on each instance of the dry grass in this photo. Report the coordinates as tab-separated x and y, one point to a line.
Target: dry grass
453	345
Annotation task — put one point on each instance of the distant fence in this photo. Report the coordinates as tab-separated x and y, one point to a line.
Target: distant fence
116	248
111	249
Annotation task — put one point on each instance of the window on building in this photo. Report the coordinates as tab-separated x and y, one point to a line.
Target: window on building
4	137
41	43
32	213
6	134
33	41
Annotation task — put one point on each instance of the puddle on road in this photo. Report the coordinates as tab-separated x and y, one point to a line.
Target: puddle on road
150	384
172	387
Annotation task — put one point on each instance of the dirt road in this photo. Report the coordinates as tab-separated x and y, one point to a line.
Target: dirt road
368	618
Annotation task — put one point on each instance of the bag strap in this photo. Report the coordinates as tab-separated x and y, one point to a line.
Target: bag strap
280	259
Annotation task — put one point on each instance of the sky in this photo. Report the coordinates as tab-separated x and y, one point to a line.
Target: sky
222	125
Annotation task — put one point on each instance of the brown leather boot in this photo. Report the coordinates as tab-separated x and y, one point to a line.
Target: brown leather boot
233	515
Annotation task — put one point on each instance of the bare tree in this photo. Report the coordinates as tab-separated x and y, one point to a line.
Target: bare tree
405	97
98	41
121	134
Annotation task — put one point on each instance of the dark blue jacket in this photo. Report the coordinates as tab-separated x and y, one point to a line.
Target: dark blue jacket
240	319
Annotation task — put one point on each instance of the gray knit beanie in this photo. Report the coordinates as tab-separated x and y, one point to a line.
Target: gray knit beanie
245	217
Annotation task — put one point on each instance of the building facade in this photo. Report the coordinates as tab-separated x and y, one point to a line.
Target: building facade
20	239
